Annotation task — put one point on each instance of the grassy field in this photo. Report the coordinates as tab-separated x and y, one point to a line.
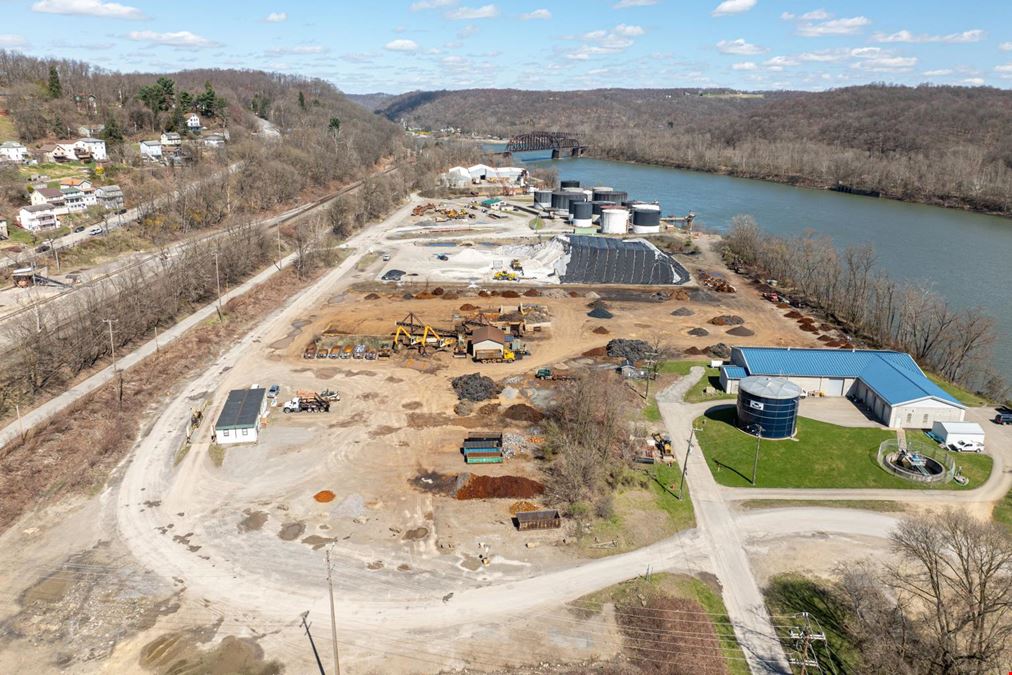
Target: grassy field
788	595
7	129
679	586
55	170
1003	511
962	395
822	456
864	504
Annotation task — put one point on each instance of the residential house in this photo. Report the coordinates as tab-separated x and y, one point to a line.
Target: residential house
38	217
60	152
110	196
151	150
95	147
73	200
79	183
214	140
171	139
193	122
51	196
12	151
93	130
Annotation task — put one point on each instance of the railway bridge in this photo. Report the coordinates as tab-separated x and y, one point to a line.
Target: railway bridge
556	141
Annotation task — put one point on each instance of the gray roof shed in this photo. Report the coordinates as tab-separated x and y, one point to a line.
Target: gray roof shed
242	409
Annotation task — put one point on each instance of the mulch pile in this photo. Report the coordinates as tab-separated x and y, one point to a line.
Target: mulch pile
596	352
793	314
521	412
532	293
741	331
324	496
694	351
600	313
372	296
438	290
825	338
522	506
826	326
633	350
510	294
682	311
699	332
470	486
600	330
727	320
468	307
719	350
475	387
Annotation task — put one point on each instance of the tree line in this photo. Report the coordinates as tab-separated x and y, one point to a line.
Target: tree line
849	288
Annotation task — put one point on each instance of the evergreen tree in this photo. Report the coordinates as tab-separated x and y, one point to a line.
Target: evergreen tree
112	132
55	88
302	100
334	126
186	101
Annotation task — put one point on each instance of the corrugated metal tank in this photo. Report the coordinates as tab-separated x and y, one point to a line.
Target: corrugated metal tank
606	194
768	406
543	198
614	221
581	211
600	206
646	218
569	184
560	200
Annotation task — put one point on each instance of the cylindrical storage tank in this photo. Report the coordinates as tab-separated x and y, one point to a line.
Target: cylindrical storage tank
646	219
573	191
614	221
560	200
576	197
543	198
600	206
581	212
602	190
768	406
569	184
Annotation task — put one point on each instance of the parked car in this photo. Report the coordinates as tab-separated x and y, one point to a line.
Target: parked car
1003	418
386	257
95	230
273	391
43	248
79	228
967	446
393	275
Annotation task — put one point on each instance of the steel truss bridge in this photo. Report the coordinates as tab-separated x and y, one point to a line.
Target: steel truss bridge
556	141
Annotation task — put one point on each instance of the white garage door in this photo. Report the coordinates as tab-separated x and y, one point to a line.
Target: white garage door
832	387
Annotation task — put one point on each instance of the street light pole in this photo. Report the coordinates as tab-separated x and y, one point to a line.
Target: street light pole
755	462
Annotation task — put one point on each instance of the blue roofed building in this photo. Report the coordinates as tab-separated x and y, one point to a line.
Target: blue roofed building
889	384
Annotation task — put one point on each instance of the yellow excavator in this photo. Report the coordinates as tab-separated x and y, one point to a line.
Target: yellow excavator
503	275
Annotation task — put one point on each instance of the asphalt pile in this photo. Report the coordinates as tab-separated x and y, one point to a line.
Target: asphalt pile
634	350
475	387
719	351
699	332
682	311
741	331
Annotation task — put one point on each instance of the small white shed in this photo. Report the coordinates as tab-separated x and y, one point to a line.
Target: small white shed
954	432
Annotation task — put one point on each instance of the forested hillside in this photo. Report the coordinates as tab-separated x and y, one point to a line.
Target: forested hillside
939	145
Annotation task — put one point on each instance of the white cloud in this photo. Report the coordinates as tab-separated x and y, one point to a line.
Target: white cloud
9	40
401	45
467	31
183	38
469	13
865	52
780	62
601	42
357	57
975	35
431	4
745	65
974	81
276	17
733	7
847	26
941	72
1005	46
787	16
537	14
817	15
301	49
623	4
106	10
740	47
1005	70
887	64
826	55
629	31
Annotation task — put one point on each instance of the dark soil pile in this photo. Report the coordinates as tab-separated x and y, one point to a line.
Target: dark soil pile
438	290
521	412
489	409
826	326
470	486
600	330
682	311
484	294
694	351
467	307
407	296
450	295
741	331
600	313
825	338
808	328
596	352
783	305
372	296
727	320
532	293
574	294
475	387
793	314
699	332
719	350
510	294
633	350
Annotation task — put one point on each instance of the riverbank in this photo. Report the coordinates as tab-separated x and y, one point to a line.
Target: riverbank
806	182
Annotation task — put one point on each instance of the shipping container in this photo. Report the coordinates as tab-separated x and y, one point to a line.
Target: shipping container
482	459
539	520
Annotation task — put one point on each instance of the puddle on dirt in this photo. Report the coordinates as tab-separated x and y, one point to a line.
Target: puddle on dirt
393	379
324	496
345	423
254	520
318	542
383	431
470	563
375	565
327	373
435	483
412	405
416	534
356	373
291	531
180	652
404	567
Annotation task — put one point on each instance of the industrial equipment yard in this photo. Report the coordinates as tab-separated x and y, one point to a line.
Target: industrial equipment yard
429	571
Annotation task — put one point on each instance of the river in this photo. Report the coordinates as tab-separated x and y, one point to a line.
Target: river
966	257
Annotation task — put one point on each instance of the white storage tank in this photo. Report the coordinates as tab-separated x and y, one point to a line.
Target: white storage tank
614	221
646	218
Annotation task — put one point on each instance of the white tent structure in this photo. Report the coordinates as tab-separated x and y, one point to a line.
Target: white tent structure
954	433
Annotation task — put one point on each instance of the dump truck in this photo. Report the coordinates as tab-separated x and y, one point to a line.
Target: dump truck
346	352
549	374
495	356
301	404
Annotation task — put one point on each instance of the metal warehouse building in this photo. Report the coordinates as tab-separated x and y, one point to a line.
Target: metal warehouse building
889	383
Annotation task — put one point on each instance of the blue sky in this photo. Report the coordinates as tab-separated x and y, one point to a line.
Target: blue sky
396	46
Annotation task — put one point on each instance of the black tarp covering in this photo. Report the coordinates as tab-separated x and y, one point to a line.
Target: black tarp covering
599	260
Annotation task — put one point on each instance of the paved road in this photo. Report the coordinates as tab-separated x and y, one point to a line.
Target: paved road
744	601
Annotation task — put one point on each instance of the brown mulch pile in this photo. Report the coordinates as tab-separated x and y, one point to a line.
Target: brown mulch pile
793	314
783	305
424	295
468	307
497	487
532	293
600	330
521	412
510	294
727	320
826	326
484	294
694	351
522	506
574	294
741	331
372	296
450	295
825	338
595	352
489	409
808	328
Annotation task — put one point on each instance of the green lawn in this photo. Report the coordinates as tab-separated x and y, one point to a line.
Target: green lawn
666	479
821	456
651	413
790	594
22	236
55	170
962	395
1003	511
679	586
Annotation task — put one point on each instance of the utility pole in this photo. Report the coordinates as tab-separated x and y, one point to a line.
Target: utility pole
112	343
755	462
21	423
319	664
333	620
56	252
804	637
685	463
217	280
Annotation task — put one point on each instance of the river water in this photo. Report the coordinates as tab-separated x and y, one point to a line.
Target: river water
966	257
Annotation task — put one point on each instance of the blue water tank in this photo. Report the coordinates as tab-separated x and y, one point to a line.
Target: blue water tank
768	406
